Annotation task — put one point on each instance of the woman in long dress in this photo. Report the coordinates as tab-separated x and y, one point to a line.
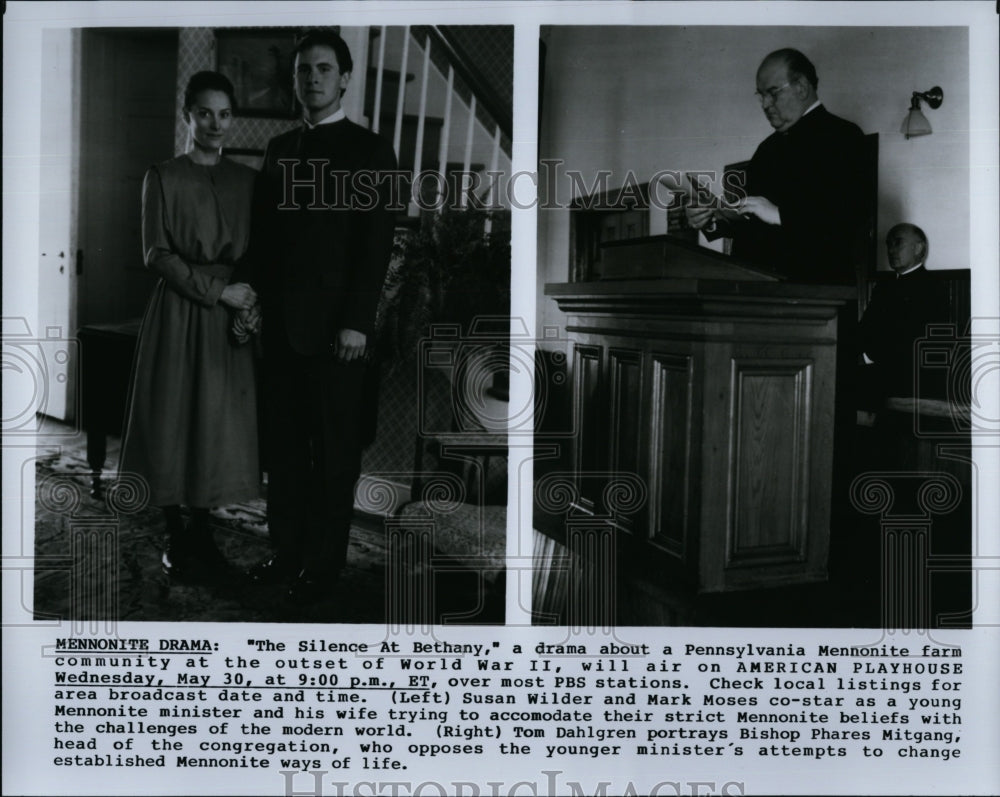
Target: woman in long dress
192	423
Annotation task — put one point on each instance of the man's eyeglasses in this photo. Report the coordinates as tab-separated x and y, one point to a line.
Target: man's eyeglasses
771	94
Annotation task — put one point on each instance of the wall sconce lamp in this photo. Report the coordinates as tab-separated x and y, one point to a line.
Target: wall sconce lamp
915	123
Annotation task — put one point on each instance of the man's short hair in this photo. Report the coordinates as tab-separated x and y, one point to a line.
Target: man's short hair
796	64
921	235
326	38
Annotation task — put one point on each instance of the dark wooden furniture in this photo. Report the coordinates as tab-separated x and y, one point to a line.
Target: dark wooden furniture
618	215
452	533
107	351
710	392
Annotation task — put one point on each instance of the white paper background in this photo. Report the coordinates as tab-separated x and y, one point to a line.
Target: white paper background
27	704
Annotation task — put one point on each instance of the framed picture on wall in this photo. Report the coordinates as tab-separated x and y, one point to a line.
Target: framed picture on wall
259	63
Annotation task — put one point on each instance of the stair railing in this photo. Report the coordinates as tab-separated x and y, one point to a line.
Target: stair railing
439	55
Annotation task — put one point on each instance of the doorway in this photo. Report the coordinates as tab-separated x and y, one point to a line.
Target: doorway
108	113
128	98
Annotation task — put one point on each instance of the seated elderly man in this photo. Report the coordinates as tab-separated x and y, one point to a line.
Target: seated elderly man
917	409
897	317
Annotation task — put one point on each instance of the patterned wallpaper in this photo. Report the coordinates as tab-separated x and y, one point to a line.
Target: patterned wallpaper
489	50
492	46
195	52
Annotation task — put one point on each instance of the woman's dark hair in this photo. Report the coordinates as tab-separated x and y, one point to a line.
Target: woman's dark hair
326	38
208	81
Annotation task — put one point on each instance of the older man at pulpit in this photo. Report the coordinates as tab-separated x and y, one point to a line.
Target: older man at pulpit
803	212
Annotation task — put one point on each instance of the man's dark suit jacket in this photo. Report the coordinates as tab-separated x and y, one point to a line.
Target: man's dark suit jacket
323	233
896	318
815	173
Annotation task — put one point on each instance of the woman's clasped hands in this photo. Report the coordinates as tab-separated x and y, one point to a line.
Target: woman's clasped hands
247	315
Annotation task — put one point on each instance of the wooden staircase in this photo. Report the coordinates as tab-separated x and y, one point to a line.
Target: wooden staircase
418	92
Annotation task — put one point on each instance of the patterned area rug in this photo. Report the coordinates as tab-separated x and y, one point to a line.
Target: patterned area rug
98	560
102	560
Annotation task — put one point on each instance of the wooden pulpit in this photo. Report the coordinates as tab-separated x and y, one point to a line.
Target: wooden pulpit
713	383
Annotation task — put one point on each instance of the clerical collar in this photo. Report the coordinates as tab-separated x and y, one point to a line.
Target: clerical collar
909	270
336	116
805	113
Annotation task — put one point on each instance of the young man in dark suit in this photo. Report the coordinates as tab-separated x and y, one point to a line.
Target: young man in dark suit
323	237
804	213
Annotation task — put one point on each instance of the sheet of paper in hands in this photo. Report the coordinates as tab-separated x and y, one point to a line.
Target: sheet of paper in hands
701	195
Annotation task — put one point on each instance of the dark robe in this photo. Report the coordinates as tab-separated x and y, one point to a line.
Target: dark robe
815	173
322	239
896	320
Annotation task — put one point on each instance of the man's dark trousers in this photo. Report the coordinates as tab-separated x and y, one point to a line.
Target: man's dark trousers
314	443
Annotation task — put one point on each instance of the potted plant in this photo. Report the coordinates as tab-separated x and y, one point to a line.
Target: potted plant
452	270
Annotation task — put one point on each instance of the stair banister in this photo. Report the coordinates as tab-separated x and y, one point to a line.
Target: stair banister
467	163
494	164
378	80
401	96
445	138
421	115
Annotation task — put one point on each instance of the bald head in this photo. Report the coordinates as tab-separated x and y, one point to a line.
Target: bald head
796	63
906	246
786	86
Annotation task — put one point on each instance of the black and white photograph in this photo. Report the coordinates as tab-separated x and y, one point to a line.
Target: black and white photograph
762	307
588	397
348	463
258	63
